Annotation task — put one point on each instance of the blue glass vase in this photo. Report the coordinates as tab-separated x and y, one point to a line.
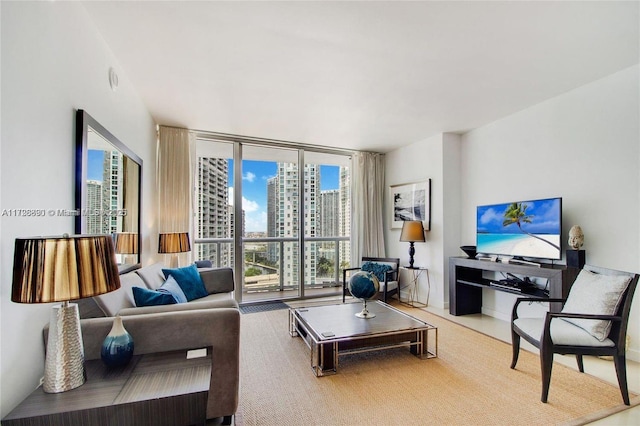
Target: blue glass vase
117	348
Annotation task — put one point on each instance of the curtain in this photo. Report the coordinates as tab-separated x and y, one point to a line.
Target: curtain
367	206
174	179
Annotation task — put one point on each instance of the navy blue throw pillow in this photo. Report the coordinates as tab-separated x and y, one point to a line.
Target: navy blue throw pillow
378	269
146	297
189	281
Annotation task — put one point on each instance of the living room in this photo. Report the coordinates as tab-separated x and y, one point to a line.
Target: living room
576	139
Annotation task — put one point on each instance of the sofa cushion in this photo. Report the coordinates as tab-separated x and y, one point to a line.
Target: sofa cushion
217	280
152	275
146	297
595	294
189	281
111	303
171	287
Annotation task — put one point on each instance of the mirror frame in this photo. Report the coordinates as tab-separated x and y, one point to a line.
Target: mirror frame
83	122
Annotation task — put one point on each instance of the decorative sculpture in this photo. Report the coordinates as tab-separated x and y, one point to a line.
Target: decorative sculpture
576	237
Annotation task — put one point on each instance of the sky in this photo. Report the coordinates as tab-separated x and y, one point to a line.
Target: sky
254	189
546	216
95	159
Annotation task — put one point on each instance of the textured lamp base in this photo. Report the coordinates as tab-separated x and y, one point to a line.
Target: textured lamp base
64	363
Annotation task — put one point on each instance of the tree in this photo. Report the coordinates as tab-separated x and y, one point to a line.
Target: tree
252	272
517	213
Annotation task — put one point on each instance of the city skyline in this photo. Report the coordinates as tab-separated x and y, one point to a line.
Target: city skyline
255	175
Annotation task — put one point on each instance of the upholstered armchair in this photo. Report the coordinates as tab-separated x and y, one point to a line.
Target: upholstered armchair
385	268
593	321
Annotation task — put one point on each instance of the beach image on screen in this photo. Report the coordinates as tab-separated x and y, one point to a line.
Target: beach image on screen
524	229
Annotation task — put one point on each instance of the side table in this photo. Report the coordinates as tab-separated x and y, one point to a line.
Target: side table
414	287
153	389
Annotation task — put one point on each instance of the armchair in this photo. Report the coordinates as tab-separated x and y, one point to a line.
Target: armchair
593	321
388	278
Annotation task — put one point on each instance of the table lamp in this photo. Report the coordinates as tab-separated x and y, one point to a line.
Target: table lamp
174	242
127	244
61	269
412	232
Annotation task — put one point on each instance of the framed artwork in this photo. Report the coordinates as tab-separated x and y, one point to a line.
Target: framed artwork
410	201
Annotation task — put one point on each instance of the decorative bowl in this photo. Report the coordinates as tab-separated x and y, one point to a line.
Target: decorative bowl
469	250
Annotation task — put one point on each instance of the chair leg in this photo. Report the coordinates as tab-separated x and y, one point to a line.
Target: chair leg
515	347
621	372
580	364
546	364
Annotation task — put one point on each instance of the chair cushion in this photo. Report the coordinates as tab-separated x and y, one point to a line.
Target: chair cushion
595	294
379	269
562	332
391	285
189	281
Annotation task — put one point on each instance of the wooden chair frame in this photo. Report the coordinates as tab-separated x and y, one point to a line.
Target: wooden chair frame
547	348
392	275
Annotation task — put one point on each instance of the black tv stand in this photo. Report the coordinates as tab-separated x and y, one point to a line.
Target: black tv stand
466	282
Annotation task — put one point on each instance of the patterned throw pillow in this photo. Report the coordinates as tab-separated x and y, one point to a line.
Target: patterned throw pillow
595	294
378	269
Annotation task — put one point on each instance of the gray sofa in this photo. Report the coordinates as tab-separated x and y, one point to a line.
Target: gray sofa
211	321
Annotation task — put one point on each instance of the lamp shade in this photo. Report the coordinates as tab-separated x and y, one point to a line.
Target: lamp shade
412	231
174	242
63	268
126	242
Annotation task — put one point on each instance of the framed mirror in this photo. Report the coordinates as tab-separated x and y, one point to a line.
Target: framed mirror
108	189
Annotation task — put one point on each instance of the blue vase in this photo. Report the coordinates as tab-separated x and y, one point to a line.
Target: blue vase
117	348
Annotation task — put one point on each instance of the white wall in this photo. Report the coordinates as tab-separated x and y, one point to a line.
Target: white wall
53	62
582	146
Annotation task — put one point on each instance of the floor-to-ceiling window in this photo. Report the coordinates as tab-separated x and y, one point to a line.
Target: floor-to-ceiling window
293	221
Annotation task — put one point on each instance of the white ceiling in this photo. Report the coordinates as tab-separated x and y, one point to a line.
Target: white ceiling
360	75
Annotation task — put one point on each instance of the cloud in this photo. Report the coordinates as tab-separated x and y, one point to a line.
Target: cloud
490	216
250	177
247	205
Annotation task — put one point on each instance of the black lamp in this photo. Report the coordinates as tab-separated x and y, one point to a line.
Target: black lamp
412	232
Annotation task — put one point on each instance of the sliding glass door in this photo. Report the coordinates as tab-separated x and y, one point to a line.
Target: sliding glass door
293	222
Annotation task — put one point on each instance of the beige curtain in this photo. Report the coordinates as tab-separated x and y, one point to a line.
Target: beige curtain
367	206
174	180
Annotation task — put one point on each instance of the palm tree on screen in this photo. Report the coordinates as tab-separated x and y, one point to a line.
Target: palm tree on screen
517	213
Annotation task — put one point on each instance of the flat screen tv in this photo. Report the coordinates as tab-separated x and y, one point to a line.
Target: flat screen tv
522	229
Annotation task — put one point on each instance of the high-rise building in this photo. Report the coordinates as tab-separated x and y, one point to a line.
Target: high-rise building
283	197
212	213
112	190
94	204
345	213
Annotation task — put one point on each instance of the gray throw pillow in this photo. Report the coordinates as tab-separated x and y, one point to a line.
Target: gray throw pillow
595	294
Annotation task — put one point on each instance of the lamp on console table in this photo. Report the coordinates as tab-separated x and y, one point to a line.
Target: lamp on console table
174	242
127	244
60	269
412	232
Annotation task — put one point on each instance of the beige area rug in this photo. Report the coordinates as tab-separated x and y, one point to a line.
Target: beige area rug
469	383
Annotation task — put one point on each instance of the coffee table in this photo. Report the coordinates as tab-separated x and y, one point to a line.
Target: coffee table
334	330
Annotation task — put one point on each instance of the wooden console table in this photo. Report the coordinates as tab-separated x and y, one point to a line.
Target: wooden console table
153	389
466	282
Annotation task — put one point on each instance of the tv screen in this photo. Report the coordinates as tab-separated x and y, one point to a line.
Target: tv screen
521	229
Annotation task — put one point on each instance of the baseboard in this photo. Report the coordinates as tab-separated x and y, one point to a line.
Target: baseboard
499	315
633	354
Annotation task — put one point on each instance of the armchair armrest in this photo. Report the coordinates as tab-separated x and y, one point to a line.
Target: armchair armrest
514	310
584	316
